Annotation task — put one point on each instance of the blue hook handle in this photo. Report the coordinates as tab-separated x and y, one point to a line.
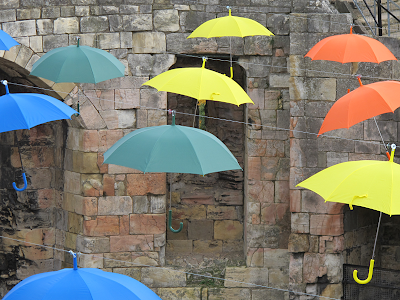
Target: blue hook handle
25	184
170	223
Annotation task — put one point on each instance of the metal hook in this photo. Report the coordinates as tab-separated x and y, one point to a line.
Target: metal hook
170	223
371	270
25	184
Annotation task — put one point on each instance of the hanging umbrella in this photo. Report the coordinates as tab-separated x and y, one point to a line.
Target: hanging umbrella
201	84
230	26
351	47
26	110
367	183
6	41
78	64
173	149
363	103
80	284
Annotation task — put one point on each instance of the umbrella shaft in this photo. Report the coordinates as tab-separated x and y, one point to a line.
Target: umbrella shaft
376	236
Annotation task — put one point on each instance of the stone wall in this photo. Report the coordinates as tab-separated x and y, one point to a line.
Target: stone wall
323	237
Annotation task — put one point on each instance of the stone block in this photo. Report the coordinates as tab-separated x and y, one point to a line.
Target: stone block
51	12
279	80
147	64
44	26
149	42
254	168
91	261
66	25
166	20
115	205
7	15
28	13
163	277
190	20
131	243
201	230
300	223
276	258
228	230
92	184
298	243
51	42
272	213
221	213
313	203
189	212
180	246
240	276
333	158
137	22
143	184
109	41
75	223
94	24
127	98
92	244
101	226
107	138
207	246
192	293
326	224
147	223
178	43
117	260
258	45
256	66
317	265
135	273
229	293
261	191
255	257
145	258
20	28
140	204
72	182
70	240
157	204
67	11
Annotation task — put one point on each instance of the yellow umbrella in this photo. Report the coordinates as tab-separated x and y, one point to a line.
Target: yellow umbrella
367	183
201	84
230	26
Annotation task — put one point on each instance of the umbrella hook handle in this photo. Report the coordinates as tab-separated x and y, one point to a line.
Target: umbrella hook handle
371	270
25	184
170	223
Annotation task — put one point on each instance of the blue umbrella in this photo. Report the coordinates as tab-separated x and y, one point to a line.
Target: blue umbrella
26	110
80	284
6	41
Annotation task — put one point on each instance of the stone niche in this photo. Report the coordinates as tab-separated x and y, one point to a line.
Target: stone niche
210	206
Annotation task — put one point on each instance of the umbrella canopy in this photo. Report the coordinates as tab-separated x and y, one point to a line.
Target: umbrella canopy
26	110
363	103
80	284
351	47
201	84
229	26
6	41
78	64
172	148
367	183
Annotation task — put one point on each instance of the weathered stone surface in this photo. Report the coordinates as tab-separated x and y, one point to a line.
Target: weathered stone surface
229	293
298	243
201	230
142	184
300	223
156	277
131	243
239	276
94	24
137	22
115	205
179	293
178	43
258	45
92	244
149	42
66	25
228	230
101	226
276	258
45	26
146	64
326	224
20	28
166	20
147	223
180	246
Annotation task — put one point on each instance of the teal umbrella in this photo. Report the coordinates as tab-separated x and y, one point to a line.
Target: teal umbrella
78	64
173	149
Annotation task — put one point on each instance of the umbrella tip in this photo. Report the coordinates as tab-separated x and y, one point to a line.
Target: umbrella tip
229	8
78	39
5	85
204	58
172	112
75	259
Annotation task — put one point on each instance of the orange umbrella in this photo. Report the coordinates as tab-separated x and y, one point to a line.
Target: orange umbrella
363	103
351	47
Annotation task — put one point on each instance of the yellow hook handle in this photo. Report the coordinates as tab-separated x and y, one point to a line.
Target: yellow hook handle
371	270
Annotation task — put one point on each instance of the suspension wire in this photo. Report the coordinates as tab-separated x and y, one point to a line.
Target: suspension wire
166	268
233	121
